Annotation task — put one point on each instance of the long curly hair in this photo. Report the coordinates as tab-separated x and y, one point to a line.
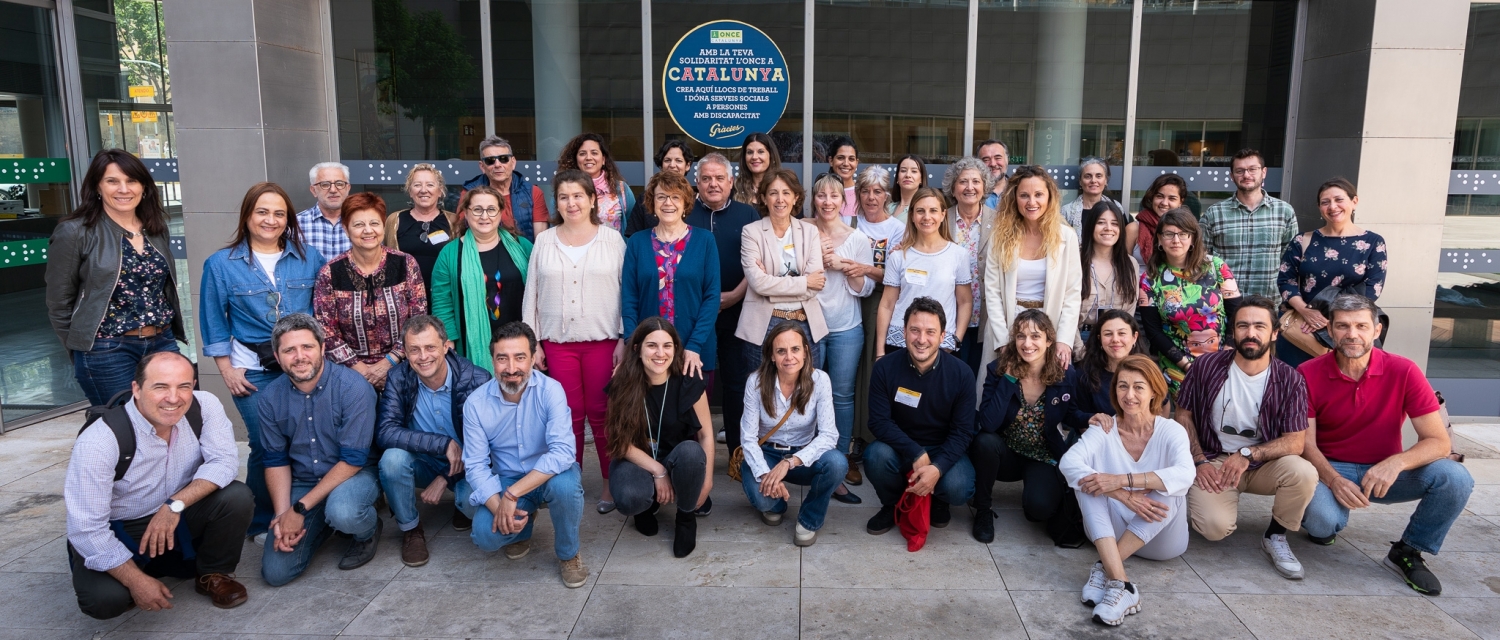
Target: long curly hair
568	159
1010	225
625	422
1010	362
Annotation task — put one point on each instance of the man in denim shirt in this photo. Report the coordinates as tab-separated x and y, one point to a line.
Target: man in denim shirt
518	454
317	426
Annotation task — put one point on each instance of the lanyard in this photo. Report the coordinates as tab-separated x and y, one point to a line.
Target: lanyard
657	436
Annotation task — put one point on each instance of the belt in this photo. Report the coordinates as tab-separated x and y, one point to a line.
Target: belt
780	447
799	315
146	332
1029	304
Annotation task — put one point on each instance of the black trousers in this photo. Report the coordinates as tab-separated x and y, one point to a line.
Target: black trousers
217	524
730	374
1044	486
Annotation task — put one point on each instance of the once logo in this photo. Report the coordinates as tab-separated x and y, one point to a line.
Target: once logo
726	36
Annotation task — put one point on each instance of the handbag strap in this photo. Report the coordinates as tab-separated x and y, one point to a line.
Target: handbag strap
767	437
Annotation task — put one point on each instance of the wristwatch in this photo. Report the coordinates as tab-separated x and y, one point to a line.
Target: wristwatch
299	508
175	506
1249	455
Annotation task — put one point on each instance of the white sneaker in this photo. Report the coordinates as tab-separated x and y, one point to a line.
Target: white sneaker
1280	553
1119	601
803	537
720	438
260	539
771	519
1093	592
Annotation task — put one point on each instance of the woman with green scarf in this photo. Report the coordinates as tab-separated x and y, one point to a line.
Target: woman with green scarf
480	280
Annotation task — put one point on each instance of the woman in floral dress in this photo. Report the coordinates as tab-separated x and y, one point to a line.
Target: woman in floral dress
1186	291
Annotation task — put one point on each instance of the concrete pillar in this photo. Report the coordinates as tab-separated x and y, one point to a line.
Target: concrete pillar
555	61
1061	43
249	98
1360	118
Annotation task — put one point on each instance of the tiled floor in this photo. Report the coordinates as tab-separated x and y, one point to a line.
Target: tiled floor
747	580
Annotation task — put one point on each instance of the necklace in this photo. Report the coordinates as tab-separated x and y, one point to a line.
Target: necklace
656	436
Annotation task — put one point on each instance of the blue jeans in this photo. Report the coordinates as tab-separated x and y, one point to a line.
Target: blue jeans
349	508
403	473
839	358
823	476
255	467
887	473
1441	489
563	494
109	367
752	351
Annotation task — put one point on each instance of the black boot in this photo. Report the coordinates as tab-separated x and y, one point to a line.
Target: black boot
685	538
645	521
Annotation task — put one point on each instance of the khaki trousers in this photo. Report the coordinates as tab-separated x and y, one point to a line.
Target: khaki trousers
1291	479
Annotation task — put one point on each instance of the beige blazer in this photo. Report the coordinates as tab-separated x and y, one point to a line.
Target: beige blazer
1061	300
763	291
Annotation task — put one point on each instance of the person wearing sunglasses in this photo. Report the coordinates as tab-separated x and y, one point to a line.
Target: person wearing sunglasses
497	166
1246	417
265	273
320	224
480	279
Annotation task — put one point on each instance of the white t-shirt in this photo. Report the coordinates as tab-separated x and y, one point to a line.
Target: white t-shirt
1031	279
840	302
1238	405
575	254
933	275
268	263
788	265
883	235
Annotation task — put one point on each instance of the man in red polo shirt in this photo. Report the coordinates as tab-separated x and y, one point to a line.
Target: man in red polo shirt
1359	396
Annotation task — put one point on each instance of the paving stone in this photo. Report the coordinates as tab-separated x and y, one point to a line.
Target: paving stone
1313	617
1237	565
471	610
191	635
48	558
636	560
47	601
1480	615
1485	500
28	521
458	560
1484	470
1058	614
863	566
621	611
1373	533
49	479
1464	575
307	605
893	613
1053	568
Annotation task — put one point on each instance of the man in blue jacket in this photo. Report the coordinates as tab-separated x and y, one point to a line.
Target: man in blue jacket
420	426
523	201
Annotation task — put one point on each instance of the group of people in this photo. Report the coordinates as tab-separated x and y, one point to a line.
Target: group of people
942	339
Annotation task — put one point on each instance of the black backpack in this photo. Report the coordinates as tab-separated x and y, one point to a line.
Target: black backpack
113	414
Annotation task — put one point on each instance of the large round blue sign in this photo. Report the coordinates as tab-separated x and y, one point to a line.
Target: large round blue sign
723	81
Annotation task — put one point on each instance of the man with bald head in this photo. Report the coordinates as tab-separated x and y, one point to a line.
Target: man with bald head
176	510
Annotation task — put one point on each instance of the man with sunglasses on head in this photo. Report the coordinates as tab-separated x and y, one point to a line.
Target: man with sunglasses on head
497	166
329	183
1246	416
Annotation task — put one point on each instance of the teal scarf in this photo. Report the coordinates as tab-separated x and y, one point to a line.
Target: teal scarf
476	338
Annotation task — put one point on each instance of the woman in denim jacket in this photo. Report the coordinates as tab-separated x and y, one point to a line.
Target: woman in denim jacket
264	273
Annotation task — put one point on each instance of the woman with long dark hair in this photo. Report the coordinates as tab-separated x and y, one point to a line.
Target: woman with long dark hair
911	175
262	275
661	439
789	403
1110	274
1167	192
111	288
588	153
1116	335
758	159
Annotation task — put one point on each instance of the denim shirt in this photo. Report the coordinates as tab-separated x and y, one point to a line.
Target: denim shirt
237	300
340	412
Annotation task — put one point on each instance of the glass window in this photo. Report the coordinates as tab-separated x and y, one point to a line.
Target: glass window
141	121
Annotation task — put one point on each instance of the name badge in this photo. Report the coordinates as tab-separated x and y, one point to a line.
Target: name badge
437	237
908	397
916	276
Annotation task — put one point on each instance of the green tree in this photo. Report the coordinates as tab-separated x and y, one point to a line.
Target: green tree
143	55
424	68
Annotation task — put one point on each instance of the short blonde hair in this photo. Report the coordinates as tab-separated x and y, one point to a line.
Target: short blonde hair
427	166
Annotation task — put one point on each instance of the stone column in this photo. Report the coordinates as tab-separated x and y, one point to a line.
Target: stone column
555	61
1061	43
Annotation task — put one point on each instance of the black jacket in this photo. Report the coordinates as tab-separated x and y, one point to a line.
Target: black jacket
1003	399
400	399
83	267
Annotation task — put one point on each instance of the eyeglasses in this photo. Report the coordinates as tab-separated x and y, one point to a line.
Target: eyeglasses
484	212
1244	171
1243	433
503	158
1176	235
336	184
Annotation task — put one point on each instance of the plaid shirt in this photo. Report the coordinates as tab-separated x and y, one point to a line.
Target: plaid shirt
1250	241
328	237
1283	408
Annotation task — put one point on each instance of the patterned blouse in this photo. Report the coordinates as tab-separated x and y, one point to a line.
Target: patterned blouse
1187	306
362	314
668	256
1024	434
140	298
1352	261
966	235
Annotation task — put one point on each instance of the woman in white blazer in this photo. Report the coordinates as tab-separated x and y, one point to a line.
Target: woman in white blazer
1033	264
783	261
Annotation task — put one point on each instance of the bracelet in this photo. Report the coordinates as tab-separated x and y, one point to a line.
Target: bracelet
392	359
660	476
1130	479
1200	462
510	495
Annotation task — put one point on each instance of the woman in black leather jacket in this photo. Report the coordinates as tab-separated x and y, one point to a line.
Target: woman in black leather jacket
111	287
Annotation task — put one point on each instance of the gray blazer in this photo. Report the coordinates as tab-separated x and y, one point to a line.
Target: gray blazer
83	266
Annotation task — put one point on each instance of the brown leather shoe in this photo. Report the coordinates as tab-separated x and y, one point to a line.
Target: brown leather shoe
414	547
222	589
853	478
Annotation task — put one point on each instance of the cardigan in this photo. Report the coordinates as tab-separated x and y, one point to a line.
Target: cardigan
759	248
978	259
696	290
568	302
1062	299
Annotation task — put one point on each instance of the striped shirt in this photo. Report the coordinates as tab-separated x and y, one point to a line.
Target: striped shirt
1283	409
327	236
160	468
1251	241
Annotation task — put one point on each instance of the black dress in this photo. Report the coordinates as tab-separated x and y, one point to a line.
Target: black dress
414	238
504	287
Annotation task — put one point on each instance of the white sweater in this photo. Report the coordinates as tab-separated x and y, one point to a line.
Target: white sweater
574	302
1167	454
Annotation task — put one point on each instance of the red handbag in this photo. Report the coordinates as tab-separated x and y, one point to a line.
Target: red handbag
914	518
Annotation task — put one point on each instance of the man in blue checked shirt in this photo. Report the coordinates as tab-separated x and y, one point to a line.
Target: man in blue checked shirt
329	183
317	424
518	454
